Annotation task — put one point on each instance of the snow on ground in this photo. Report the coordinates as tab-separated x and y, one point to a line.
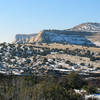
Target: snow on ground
63	70
93	96
97	43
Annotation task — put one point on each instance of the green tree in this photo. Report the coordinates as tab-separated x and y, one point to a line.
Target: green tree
75	81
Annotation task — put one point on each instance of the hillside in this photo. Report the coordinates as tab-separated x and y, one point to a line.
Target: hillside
87	27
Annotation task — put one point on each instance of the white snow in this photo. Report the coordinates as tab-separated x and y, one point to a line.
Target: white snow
63	70
97	43
93	96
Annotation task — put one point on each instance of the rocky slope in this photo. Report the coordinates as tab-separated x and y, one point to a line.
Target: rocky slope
88	27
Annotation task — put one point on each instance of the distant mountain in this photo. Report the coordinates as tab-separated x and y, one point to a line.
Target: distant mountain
88	27
24	38
83	34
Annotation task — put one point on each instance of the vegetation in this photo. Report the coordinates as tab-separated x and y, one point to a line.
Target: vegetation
90	89
42	88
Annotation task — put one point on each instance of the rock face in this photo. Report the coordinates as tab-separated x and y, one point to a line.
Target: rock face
83	34
68	37
24	38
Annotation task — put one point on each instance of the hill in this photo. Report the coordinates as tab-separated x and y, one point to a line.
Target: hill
87	34
87	27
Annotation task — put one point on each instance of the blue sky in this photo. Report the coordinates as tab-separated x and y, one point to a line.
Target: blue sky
31	16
